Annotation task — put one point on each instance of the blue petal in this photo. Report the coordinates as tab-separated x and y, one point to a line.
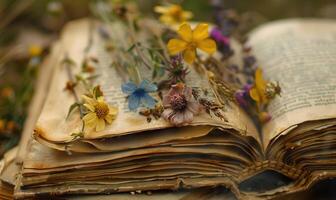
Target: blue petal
148	101
128	88
147	86
133	102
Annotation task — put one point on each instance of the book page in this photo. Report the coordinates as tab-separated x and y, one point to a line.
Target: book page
53	125
300	55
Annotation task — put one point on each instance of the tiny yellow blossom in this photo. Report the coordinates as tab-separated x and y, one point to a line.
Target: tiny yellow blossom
258	91
99	113
173	14
190	40
35	50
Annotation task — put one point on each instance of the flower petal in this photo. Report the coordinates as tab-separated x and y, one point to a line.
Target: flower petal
187	117
187	15
177	119
100	125
207	45
113	110
133	102
175	46
128	88
109	118
254	94
189	55
148	101
89	100
161	9
90	117
167	113
147	86
166	101
90	107
201	32
194	107
185	32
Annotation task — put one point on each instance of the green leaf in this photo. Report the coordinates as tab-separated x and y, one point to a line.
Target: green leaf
72	107
97	92
131	48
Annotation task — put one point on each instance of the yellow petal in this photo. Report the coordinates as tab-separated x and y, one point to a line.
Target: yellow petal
113	110
161	9
109	118
90	117
207	45
260	85
185	32
89	107
89	100
201	32
100	125
175	46
167	19
187	15
189	55
254	94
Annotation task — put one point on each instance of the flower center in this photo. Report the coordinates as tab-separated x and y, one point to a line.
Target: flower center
178	102
139	92
101	110
192	45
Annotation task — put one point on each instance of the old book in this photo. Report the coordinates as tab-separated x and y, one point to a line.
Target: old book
293	151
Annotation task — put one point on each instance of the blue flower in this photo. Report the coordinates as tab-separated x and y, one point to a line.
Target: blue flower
138	95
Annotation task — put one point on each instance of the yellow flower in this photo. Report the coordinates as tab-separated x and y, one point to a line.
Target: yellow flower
258	91
99	113
173	14
190	41
35	50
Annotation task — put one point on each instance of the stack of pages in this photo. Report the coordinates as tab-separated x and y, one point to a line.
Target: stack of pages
295	149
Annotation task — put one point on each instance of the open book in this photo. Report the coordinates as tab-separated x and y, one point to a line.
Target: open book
295	149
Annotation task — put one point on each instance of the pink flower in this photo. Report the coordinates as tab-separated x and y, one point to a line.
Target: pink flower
180	105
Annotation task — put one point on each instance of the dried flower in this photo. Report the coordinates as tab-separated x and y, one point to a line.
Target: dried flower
99	113
152	112
176	71
2	125
180	106
264	117
7	92
262	91
139	94
35	50
70	86
242	96
173	14
222	41
190	41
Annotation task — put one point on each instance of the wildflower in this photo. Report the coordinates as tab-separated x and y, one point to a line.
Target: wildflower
263	91
264	117
190	41
173	14
176	71
180	106
139	94
258	90
99	113
242	97
222	41
35	50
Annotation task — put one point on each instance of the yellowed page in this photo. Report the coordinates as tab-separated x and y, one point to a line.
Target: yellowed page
52	124
300	54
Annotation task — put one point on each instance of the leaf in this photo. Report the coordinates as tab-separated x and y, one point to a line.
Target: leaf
131	48
72	107
97	92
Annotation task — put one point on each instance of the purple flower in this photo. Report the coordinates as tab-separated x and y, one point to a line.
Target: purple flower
180	106
223	42
243	96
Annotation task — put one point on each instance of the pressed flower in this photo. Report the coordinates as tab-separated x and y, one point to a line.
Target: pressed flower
263	91
222	41
99	113
264	117
177	71
242	96
138	94
35	50
180	105
173	14
190	40
258	91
